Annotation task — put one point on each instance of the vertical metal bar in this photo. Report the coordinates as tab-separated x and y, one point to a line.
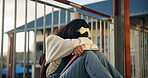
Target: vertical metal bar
126	23
96	41
26	10
14	46
91	28
44	29
87	19
132	51
146	56
71	16
2	38
59	19
137	53
142	55
144	59
81	16
66	17
105	39
100	35
52	20
35	33
28	57
108	41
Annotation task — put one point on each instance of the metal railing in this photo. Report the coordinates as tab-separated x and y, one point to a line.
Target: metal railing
100	34
139	52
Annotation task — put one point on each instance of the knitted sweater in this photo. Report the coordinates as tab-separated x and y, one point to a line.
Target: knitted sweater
57	48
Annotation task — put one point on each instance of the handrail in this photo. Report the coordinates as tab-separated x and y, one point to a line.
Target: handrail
56	6
139	26
83	8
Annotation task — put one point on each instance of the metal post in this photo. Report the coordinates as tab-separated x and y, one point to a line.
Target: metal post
126	24
2	39
104	38
71	16
108	40
81	16
92	29
112	42
96	40
52	20
28	57
132	52
66	17
146	56
59	19
101	36
26	10
44	29
76	15
122	36
14	46
35	33
137	54
87	19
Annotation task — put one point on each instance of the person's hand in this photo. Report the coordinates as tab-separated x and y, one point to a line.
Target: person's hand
78	50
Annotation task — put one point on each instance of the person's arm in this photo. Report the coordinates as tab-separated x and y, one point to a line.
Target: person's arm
57	47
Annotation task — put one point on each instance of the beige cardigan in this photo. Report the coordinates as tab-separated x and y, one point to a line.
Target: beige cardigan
57	48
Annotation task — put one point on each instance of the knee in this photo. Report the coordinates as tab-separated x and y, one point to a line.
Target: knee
100	55
89	53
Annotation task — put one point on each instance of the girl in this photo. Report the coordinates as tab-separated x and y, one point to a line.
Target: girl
71	40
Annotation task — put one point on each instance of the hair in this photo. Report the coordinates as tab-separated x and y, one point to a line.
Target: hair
70	30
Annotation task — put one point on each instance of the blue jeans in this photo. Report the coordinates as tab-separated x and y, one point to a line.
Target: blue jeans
91	65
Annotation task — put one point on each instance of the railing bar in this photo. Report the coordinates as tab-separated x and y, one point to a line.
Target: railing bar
96	32
83	8
87	19
26	10
134	58
92	28
132	62
81	16
105	38
143	59
145	46
59	19
28	53
92	17
43	2
44	29
108	39
146	54
2	38
14	46
142	54
66	17
71	16
35	34
52	20
100	35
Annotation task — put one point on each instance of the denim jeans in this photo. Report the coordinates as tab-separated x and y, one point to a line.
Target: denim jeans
91	65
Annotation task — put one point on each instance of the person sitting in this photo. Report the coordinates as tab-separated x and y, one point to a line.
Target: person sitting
73	39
